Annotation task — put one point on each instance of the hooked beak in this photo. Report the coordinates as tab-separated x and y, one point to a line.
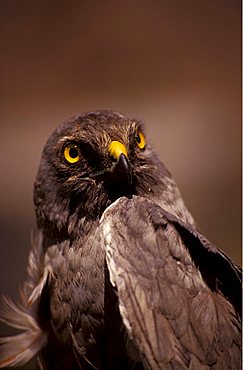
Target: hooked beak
121	170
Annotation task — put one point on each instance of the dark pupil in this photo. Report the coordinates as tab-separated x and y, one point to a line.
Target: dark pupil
138	138
73	153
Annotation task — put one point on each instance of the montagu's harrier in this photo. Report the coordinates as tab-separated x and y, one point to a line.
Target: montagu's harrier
119	277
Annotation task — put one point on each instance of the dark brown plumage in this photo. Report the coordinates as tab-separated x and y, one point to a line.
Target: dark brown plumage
119	275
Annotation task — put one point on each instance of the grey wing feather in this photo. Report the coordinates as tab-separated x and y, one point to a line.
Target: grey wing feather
174	316
19	349
217	269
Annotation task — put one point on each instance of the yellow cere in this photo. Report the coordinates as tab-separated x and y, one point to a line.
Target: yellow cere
140	140
72	153
116	148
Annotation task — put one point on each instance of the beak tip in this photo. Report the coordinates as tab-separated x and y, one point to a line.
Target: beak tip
122	178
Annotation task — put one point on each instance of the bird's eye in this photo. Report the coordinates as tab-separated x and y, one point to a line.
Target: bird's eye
72	153
140	139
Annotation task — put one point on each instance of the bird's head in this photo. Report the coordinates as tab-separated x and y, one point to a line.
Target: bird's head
87	163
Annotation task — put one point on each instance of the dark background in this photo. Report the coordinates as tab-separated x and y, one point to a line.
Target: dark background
174	64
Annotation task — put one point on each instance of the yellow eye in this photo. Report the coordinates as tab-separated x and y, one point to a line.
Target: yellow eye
72	153
140	139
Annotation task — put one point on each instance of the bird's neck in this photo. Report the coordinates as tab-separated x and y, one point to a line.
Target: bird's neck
73	230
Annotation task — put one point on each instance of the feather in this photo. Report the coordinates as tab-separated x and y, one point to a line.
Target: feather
176	307
39	287
17	350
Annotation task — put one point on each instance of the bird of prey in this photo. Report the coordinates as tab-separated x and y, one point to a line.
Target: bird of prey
119	276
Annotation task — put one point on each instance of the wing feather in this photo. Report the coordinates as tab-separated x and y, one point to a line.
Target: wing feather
178	312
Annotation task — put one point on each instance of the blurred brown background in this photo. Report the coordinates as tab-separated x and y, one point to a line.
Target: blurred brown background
174	64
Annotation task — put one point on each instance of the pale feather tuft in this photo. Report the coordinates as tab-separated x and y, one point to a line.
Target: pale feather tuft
17	350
